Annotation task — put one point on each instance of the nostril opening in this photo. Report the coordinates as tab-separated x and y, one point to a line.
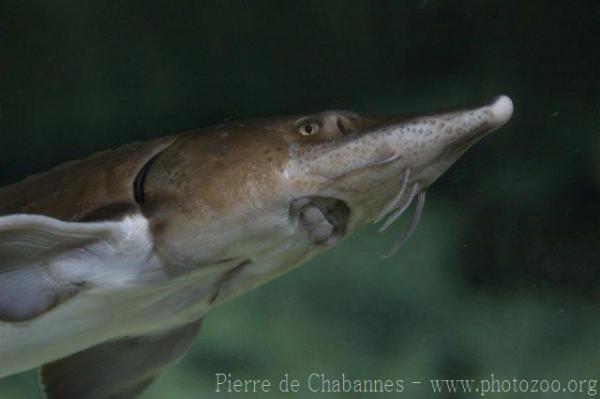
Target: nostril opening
345	126
341	126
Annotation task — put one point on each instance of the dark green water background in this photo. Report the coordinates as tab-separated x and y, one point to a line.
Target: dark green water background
503	274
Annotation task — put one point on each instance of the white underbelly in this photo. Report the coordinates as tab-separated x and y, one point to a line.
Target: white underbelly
118	307
97	316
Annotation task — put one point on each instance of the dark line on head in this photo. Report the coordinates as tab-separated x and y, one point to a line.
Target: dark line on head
140	179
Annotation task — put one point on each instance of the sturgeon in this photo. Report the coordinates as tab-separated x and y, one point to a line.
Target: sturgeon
108	264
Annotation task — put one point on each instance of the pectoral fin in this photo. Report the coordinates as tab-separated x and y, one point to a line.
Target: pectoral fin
28	292
117	369
28	245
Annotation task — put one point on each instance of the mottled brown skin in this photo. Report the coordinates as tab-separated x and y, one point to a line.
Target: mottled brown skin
204	178
209	167
91	188
216	168
204	167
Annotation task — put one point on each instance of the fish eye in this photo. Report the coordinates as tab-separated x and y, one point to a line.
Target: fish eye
308	129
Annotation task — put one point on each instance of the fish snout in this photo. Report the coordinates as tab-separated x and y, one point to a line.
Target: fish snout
429	144
502	109
471	124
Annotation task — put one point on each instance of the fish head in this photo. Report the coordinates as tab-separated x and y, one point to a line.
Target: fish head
243	183
376	165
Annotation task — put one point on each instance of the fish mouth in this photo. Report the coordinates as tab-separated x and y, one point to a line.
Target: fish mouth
323	219
337	212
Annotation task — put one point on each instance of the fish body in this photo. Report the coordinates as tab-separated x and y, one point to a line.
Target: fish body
127	250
